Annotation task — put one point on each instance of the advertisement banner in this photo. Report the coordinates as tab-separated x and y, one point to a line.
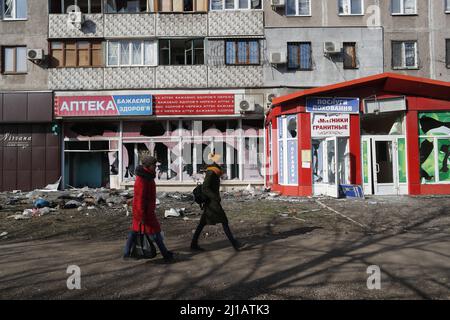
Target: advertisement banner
330	125
102	106
194	104
332	105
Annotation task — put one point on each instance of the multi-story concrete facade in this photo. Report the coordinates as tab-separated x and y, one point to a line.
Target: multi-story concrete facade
197	64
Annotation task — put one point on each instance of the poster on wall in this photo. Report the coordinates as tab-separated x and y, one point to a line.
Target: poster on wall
434	132
115	105
330	125
292	162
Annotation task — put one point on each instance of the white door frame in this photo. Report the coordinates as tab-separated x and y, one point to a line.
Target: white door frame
385	188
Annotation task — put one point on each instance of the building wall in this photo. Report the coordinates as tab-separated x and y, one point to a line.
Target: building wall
326	70
32	33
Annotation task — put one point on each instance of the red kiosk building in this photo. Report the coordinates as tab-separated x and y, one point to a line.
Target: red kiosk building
389	133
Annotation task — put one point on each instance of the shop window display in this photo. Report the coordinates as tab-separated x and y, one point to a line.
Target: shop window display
434	142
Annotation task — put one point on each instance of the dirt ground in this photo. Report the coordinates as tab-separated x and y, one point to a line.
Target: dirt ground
298	248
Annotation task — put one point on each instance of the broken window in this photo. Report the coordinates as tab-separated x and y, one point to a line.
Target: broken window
350	61
404	55
85	6
349	7
181	52
126	6
14	9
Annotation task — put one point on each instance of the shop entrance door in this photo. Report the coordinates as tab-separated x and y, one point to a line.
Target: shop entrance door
384	159
380	165
331	165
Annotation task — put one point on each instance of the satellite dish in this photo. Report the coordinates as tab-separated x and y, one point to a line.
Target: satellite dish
271	96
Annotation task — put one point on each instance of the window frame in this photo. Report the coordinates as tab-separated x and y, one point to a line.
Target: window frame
3	62
236	6
447	53
194	7
402	6
64	43
403	53
13	12
76	3
147	9
350	6
356	55
298	44
236	41
297	6
447	6
130	53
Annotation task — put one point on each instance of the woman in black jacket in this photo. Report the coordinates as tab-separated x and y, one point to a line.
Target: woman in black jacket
212	211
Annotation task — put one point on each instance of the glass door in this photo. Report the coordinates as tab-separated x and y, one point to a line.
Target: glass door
384	160
332	167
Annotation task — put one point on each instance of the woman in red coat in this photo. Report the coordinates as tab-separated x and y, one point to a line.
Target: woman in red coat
144	207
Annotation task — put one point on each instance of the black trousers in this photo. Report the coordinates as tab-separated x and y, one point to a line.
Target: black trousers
226	229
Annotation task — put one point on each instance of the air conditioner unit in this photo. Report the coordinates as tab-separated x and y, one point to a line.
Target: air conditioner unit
332	47
277	3
76	19
35	54
247	104
277	58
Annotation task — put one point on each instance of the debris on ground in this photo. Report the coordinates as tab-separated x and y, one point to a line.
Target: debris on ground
3	234
174	212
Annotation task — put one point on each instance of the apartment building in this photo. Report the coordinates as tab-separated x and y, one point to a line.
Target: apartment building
176	79
29	151
182	78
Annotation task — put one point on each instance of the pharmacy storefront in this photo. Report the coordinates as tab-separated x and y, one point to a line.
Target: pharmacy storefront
106	134
388	134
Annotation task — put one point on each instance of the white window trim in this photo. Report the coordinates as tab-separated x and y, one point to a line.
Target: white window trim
402	9
352	14
296	10
284	140
403	53
13	13
130	53
236	6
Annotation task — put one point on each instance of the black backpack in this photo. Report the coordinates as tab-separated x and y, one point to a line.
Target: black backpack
199	197
143	247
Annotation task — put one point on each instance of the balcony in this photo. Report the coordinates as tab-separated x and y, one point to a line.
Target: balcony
75	78
235	76
182	76
58	27
236	23
130	25
182	25
129	78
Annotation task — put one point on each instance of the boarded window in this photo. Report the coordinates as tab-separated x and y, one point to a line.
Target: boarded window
76	53
350	55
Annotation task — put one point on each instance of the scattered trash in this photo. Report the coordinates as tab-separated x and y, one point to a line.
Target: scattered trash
53	186
3	234
158	202
72	204
80	195
44	211
20	217
284	215
41	203
91	208
28	212
80	209
174	212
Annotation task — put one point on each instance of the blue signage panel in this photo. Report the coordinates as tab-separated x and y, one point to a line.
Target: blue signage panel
332	105
134	105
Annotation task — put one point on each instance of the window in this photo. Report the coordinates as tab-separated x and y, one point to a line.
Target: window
131	53
242	52
14	9
447	53
235	4
350	61
181	52
182	5
287	150
447	6
80	53
351	7
86	6
14	60
126	6
298	7
404	6
299	55
404	55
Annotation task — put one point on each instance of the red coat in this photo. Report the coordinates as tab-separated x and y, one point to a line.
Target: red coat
144	201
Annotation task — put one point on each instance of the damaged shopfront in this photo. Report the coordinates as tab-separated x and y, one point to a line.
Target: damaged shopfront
106	134
389	134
